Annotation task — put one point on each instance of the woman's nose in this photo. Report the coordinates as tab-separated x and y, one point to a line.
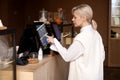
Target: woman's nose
72	19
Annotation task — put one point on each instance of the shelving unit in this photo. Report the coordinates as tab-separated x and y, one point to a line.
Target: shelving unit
114	31
115	18
67	34
9	33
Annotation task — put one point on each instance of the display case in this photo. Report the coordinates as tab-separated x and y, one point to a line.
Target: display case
114	31
115	18
7	54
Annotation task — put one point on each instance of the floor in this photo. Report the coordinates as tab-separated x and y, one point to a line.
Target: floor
111	73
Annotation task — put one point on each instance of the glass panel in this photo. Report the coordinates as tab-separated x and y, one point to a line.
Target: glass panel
115	19
115	13
6	57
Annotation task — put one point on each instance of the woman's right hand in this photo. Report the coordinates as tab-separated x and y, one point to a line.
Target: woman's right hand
50	39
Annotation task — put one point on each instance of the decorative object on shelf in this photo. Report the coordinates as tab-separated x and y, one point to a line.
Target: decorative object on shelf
4	64
33	60
58	16
1	26
113	34
43	16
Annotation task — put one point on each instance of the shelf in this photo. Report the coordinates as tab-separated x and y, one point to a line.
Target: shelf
116	29
7	31
3	28
115	6
115	38
115	16
115	26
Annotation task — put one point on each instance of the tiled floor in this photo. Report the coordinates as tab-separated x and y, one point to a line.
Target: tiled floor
111	73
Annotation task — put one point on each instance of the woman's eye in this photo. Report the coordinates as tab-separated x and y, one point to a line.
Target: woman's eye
74	17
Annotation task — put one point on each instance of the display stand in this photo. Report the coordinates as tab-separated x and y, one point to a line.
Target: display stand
67	34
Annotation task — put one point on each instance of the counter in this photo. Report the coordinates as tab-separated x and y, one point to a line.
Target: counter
50	68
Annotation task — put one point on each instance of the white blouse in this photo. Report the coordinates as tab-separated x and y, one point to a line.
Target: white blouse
75	50
85	54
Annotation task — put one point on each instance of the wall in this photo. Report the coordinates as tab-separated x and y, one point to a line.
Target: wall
12	16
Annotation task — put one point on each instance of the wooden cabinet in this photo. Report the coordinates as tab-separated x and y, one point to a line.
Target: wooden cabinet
114	37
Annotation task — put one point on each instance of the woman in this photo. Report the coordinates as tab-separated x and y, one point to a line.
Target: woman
86	54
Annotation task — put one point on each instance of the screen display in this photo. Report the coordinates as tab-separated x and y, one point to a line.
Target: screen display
56	31
42	32
29	40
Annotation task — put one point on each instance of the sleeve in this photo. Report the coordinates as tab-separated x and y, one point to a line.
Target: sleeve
75	50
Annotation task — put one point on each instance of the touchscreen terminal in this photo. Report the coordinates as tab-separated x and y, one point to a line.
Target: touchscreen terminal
42	32
56	31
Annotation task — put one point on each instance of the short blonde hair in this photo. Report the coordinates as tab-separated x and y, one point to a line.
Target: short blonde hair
84	10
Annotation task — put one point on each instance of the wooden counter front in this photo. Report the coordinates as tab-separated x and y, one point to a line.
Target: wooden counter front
50	68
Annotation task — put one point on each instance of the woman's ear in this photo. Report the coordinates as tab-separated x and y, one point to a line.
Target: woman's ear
84	18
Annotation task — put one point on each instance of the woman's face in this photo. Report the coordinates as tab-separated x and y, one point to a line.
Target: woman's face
77	20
